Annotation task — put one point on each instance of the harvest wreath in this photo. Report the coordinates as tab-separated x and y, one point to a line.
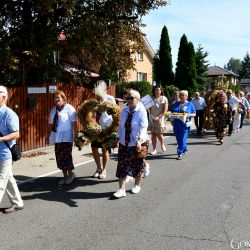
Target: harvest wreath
87	113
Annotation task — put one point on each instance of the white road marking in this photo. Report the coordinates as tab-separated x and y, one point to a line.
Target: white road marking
58	171
51	173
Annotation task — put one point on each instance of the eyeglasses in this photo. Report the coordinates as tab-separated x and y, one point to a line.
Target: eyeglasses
129	98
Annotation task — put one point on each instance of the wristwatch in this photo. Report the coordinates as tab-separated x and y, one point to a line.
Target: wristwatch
1	138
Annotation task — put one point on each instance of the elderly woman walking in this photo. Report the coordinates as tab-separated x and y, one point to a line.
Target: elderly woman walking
132	134
181	129
62	126
222	116
157	122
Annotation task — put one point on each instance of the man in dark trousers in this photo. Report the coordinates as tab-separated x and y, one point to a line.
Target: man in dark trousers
200	105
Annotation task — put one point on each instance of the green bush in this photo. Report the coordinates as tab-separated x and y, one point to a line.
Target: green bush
169	90
234	87
144	88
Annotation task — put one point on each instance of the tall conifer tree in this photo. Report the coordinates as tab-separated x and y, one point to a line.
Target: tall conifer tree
181	70
201	65
185	77
163	67
245	67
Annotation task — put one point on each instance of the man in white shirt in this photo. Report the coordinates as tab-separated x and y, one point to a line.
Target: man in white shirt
199	104
234	103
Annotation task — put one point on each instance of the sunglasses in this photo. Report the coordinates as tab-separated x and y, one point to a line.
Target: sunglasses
129	98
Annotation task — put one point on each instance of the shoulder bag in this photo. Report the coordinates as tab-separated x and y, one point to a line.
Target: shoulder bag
15	151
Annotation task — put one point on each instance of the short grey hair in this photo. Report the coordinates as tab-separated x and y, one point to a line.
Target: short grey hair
184	92
134	93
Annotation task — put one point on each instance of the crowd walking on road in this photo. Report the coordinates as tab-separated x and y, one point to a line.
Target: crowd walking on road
228	111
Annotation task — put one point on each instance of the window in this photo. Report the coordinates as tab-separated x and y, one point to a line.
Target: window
141	77
140	56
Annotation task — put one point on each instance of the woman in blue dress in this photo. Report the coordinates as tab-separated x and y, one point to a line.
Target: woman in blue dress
182	129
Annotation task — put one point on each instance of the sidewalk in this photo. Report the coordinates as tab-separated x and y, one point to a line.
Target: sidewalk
42	161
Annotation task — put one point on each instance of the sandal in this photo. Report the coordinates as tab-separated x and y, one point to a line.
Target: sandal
12	209
97	173
102	176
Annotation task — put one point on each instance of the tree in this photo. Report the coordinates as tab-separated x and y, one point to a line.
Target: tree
245	67
93	34
163	67
233	65
185	77
201	66
181	65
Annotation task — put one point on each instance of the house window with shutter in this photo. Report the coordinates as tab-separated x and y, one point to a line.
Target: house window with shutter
141	77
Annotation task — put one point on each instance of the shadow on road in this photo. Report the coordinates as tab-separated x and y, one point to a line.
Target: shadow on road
48	189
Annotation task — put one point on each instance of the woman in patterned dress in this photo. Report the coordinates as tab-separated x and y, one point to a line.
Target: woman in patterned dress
223	116
157	122
62	126
132	134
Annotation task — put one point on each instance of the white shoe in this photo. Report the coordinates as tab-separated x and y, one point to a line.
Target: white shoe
164	148
146	170
136	189
70	179
61	182
153	152
129	178
119	193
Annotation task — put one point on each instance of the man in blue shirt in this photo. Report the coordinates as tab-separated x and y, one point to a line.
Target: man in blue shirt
9	129
199	104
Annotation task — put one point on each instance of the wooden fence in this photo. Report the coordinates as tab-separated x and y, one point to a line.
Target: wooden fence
33	105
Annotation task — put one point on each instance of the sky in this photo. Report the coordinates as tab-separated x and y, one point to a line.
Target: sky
222	27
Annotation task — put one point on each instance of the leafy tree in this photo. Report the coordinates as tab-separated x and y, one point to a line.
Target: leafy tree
201	66
144	88
245	67
233	65
93	34
185	77
163	67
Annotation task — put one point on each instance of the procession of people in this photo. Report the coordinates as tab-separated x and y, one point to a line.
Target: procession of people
131	132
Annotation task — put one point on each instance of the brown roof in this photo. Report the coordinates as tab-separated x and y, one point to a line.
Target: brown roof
218	71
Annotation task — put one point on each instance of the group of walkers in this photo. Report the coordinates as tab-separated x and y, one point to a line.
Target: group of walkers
229	112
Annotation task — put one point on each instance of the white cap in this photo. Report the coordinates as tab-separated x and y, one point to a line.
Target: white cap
3	91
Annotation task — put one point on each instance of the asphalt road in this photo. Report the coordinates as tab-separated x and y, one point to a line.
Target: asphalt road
201	202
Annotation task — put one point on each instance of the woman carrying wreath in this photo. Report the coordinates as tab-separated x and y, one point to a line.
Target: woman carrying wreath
132	134
104	121
62	126
222	116
157	121
181	129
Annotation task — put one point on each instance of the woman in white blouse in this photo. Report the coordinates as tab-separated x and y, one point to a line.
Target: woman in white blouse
62	125
132	134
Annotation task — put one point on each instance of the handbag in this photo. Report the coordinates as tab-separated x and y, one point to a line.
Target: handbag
142	153
15	151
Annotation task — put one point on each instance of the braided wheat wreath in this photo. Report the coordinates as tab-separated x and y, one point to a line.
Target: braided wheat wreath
92	131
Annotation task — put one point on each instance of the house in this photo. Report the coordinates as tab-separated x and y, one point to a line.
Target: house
215	71
245	84
143	68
